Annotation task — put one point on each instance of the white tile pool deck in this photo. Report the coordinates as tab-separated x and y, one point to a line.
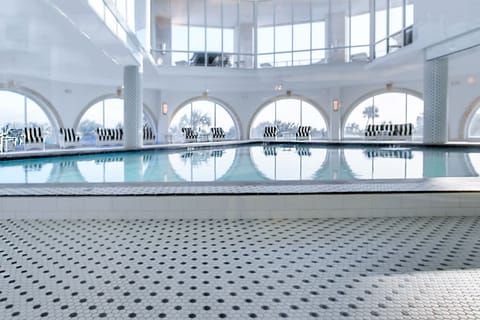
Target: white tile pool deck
364	250
375	268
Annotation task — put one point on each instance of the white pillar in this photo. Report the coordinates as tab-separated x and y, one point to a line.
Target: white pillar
244	44
435	84
336	36
133	107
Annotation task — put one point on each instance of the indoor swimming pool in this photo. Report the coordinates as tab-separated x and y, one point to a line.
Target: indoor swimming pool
261	162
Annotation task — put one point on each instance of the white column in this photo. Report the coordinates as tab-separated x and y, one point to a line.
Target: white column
244	45
336	36
133	107
435	124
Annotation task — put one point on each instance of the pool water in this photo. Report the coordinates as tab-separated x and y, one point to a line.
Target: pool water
255	162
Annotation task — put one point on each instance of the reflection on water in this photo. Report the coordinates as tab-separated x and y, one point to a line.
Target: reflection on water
261	162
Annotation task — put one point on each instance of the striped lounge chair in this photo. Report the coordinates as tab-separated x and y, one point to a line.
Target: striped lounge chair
270	132
189	135
217	133
109	137
148	135
33	138
303	133
68	138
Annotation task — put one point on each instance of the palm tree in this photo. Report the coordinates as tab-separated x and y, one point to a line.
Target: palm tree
370	112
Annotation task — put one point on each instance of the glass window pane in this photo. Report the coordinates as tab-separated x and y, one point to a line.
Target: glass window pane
409	13
301	36
474	128
214	39
396	16
181	120
318	56
358	120
113	113
91	119
288	116
265	40
415	115
391	108
225	121
301	58
283	38
197	39
12	110
228	40
180	37
283	59
318	35
312	117
265	117
36	117
202	116
197	13
380	19
360	33
265	27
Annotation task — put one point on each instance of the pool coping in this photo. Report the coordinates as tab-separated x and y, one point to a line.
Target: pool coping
199	145
383	186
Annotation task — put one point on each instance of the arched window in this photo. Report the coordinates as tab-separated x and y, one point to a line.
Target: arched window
201	115
473	124
18	111
287	114
389	107
106	113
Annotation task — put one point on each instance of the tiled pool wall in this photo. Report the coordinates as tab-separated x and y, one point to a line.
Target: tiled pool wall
347	205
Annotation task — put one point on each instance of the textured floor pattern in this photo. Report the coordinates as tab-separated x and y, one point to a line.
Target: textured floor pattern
391	268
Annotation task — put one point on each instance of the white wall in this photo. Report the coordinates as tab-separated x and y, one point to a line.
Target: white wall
69	100
437	20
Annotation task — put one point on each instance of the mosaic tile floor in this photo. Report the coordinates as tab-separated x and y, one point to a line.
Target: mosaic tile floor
390	268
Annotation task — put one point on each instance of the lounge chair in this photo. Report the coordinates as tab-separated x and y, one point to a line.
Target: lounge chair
217	133
33	138
189	135
109	137
270	132
68	138
148	135
303	133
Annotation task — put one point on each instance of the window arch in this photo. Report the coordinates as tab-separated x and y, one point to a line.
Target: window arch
287	114
107	112
201	115
19	110
473	121
387	107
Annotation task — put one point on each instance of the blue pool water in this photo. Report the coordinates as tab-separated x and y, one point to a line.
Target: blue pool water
256	162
